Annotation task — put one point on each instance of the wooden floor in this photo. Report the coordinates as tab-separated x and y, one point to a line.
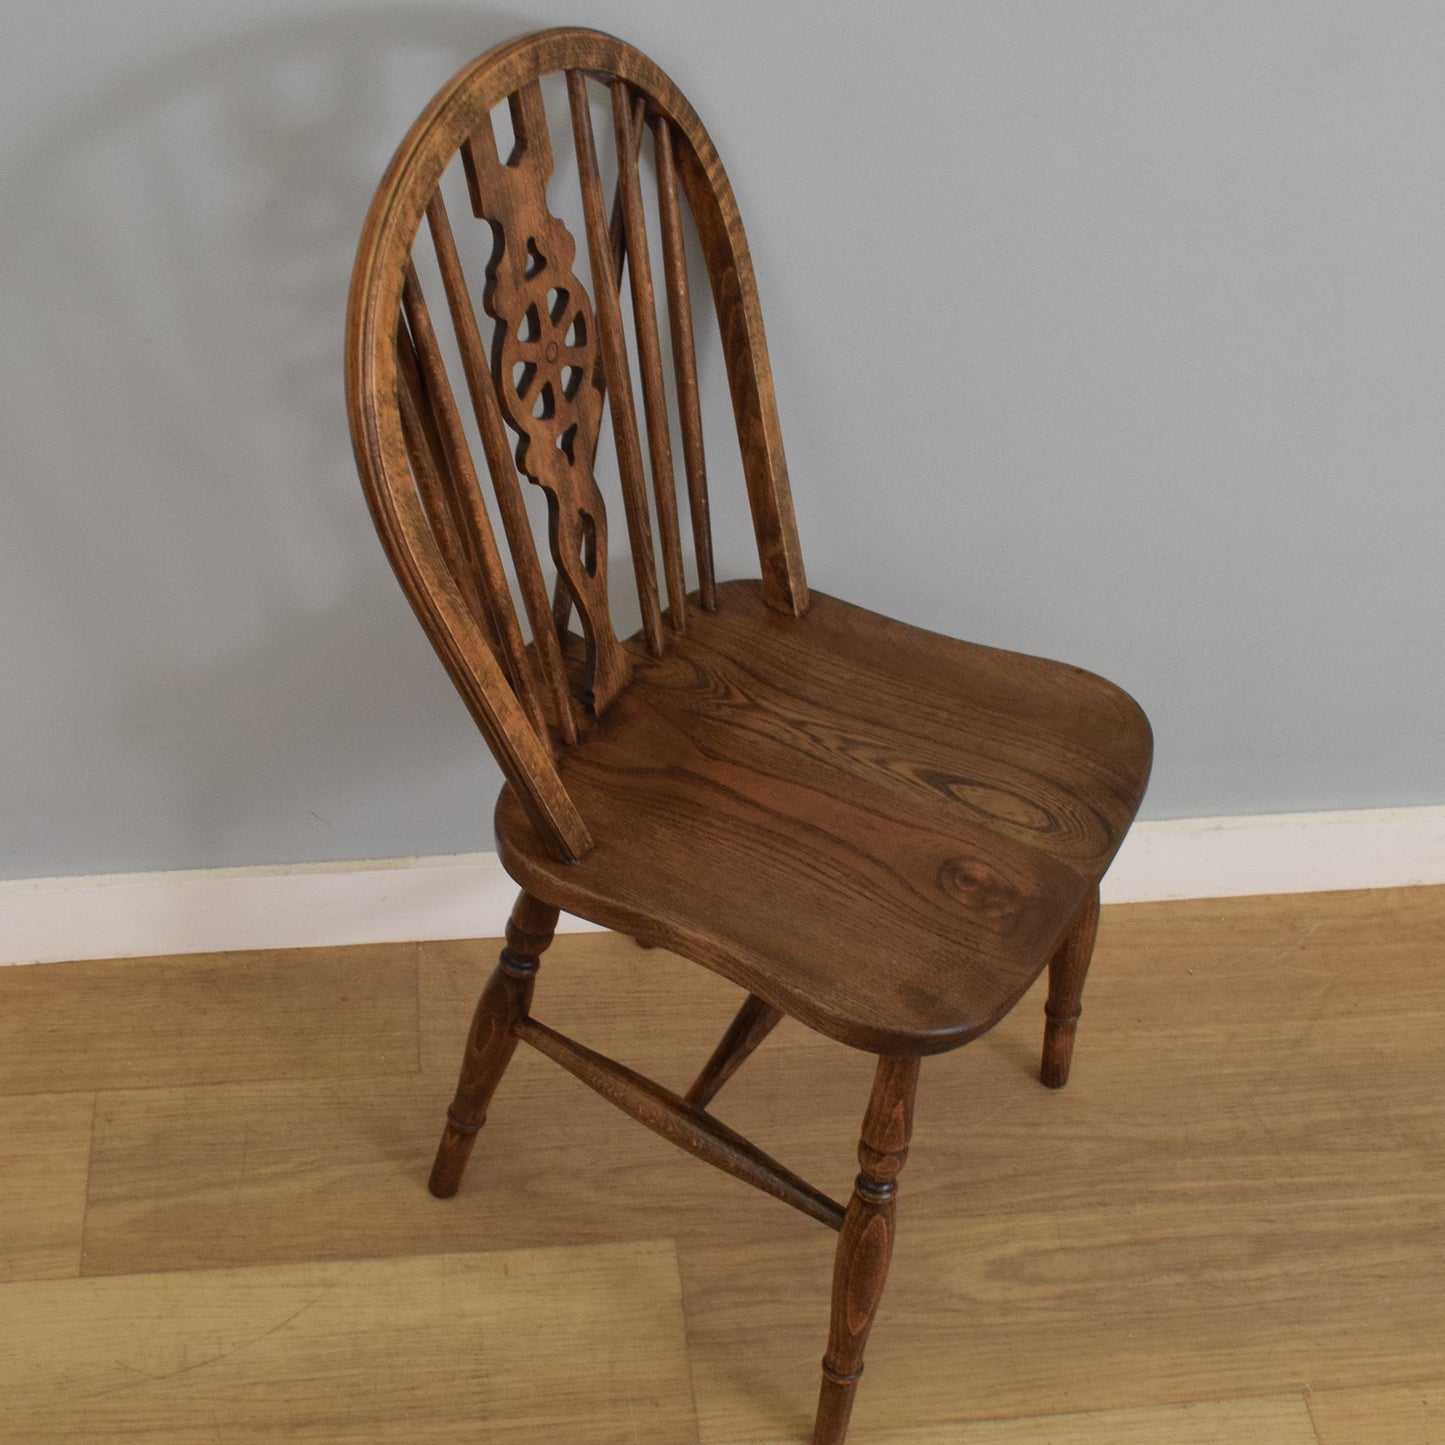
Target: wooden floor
1230	1227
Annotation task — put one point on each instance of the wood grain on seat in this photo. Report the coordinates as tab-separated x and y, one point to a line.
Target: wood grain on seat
880	830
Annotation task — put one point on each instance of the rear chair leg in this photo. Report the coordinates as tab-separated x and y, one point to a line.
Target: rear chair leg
865	1243
1067	970
754	1021
502	1006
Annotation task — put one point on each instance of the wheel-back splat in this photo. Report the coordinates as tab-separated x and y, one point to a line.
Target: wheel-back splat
543	357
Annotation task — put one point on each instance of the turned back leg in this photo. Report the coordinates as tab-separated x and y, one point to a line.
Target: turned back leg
865	1243
493	1038
755	1020
1067	971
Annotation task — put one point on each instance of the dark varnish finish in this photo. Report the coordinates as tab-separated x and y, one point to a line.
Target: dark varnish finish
501	1011
1067	970
882	832
754	1021
865	1243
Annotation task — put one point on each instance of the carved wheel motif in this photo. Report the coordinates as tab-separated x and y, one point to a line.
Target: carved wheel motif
543	360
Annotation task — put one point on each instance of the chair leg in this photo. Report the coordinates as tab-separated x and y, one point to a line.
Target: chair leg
1067	970
492	1040
754	1021
865	1243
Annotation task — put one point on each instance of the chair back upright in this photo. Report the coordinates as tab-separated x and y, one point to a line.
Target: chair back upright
541	365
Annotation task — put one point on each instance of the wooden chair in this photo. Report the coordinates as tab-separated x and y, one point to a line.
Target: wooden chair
877	830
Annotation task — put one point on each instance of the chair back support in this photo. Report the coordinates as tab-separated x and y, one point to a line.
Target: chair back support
537	376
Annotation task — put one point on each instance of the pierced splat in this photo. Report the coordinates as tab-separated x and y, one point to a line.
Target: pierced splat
544	349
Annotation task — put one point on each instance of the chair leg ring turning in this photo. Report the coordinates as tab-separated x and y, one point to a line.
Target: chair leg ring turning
865	1243
1068	969
493	1039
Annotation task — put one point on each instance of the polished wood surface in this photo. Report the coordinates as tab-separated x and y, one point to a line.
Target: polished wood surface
500	1013
879	830
435	403
649	351
548	339
486	408
865	1243
884	833
614	357
684	360
1237	1204
1068	969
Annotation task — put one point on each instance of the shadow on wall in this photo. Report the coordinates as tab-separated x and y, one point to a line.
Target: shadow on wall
184	554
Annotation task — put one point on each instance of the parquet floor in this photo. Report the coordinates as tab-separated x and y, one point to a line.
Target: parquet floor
1229	1228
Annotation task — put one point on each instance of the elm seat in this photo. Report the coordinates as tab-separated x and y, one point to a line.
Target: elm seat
919	818
882	832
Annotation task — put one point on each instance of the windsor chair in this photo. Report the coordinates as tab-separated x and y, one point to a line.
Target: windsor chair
885	833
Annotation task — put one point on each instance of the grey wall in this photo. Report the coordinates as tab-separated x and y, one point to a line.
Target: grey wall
1108	331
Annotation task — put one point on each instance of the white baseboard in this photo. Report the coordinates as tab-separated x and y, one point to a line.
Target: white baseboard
1278	853
130	915
468	895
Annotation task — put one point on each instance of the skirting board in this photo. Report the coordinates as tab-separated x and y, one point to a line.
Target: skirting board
133	915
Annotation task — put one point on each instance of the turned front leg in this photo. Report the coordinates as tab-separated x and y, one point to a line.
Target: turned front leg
865	1243
1067	970
493	1038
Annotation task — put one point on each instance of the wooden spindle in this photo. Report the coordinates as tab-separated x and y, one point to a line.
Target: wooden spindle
561	598
714	212
459	459
619	380
617	231
683	1124
684	359
428	459
649	353
505	481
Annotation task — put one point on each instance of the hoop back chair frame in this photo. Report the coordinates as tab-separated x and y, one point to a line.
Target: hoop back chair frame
558	712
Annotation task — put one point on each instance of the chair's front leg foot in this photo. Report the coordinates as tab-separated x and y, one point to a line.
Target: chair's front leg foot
493	1039
1067	970
865	1243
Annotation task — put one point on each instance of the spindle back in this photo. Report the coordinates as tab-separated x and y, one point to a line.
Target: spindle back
537	376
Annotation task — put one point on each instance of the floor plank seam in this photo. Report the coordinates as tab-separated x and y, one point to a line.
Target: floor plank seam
85	1197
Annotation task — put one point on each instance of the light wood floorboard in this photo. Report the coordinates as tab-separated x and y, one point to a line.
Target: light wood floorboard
44	1155
143	1022
1229	1199
248	1173
1384	1415
540	1346
1238	1201
1278	1419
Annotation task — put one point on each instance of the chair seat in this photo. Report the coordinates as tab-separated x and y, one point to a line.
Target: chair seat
880	830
